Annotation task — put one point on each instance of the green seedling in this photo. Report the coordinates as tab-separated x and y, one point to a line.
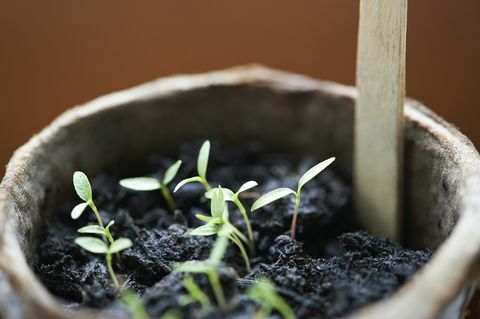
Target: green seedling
144	184
195	294
219	218
265	293
98	230
134	305
209	267
282	192
202	164
84	191
234	197
97	246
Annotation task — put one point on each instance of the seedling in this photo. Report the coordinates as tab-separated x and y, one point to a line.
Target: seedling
144	184
195	294
202	164
265	293
97	246
98	230
282	192
234	197
209	267
134	305
219	218
84	191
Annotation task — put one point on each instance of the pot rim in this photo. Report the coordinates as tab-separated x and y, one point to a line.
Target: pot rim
424	296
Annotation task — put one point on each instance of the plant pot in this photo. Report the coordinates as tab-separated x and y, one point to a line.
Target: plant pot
285	111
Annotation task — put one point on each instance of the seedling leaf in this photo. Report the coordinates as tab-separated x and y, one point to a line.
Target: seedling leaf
314	171
204	230
186	181
206	218
109	225
271	197
227	194
78	210
171	172
202	161
217	205
141	184
91	244
82	186
119	245
92	229
246	186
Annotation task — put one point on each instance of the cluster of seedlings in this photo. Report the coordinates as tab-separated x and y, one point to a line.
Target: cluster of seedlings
216	222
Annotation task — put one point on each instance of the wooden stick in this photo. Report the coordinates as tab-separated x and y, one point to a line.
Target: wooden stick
378	154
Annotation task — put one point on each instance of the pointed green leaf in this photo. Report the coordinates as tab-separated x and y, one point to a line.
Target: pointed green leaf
82	186
314	171
217	204
186	181
109	225
171	172
78	210
202	161
119	245
91	244
141	184
92	229
227	194
205	218
226	212
271	197
204	230
246	186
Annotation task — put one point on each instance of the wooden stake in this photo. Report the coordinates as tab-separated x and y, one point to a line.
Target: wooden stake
378	154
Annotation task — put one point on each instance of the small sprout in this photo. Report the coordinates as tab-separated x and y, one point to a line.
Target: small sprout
282	192
234	197
84	191
209	267
97	246
218	219
202	164
195	294
265	293
143	184
134	305
97	230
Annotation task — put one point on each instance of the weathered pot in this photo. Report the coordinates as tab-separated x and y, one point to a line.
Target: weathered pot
286	111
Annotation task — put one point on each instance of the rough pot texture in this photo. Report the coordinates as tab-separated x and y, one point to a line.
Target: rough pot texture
287	112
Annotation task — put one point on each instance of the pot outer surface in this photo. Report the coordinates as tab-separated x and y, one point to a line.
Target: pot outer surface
289	113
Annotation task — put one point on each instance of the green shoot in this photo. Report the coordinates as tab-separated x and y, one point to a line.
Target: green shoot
97	230
134	305
84	191
234	197
282	192
265	293
97	246
209	267
202	164
219	218
194	294
143	184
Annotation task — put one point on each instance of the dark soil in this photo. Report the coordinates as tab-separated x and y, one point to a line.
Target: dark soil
331	269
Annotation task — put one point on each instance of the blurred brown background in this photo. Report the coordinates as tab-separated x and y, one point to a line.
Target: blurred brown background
56	54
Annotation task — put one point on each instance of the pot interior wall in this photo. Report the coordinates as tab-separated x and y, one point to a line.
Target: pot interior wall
301	122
